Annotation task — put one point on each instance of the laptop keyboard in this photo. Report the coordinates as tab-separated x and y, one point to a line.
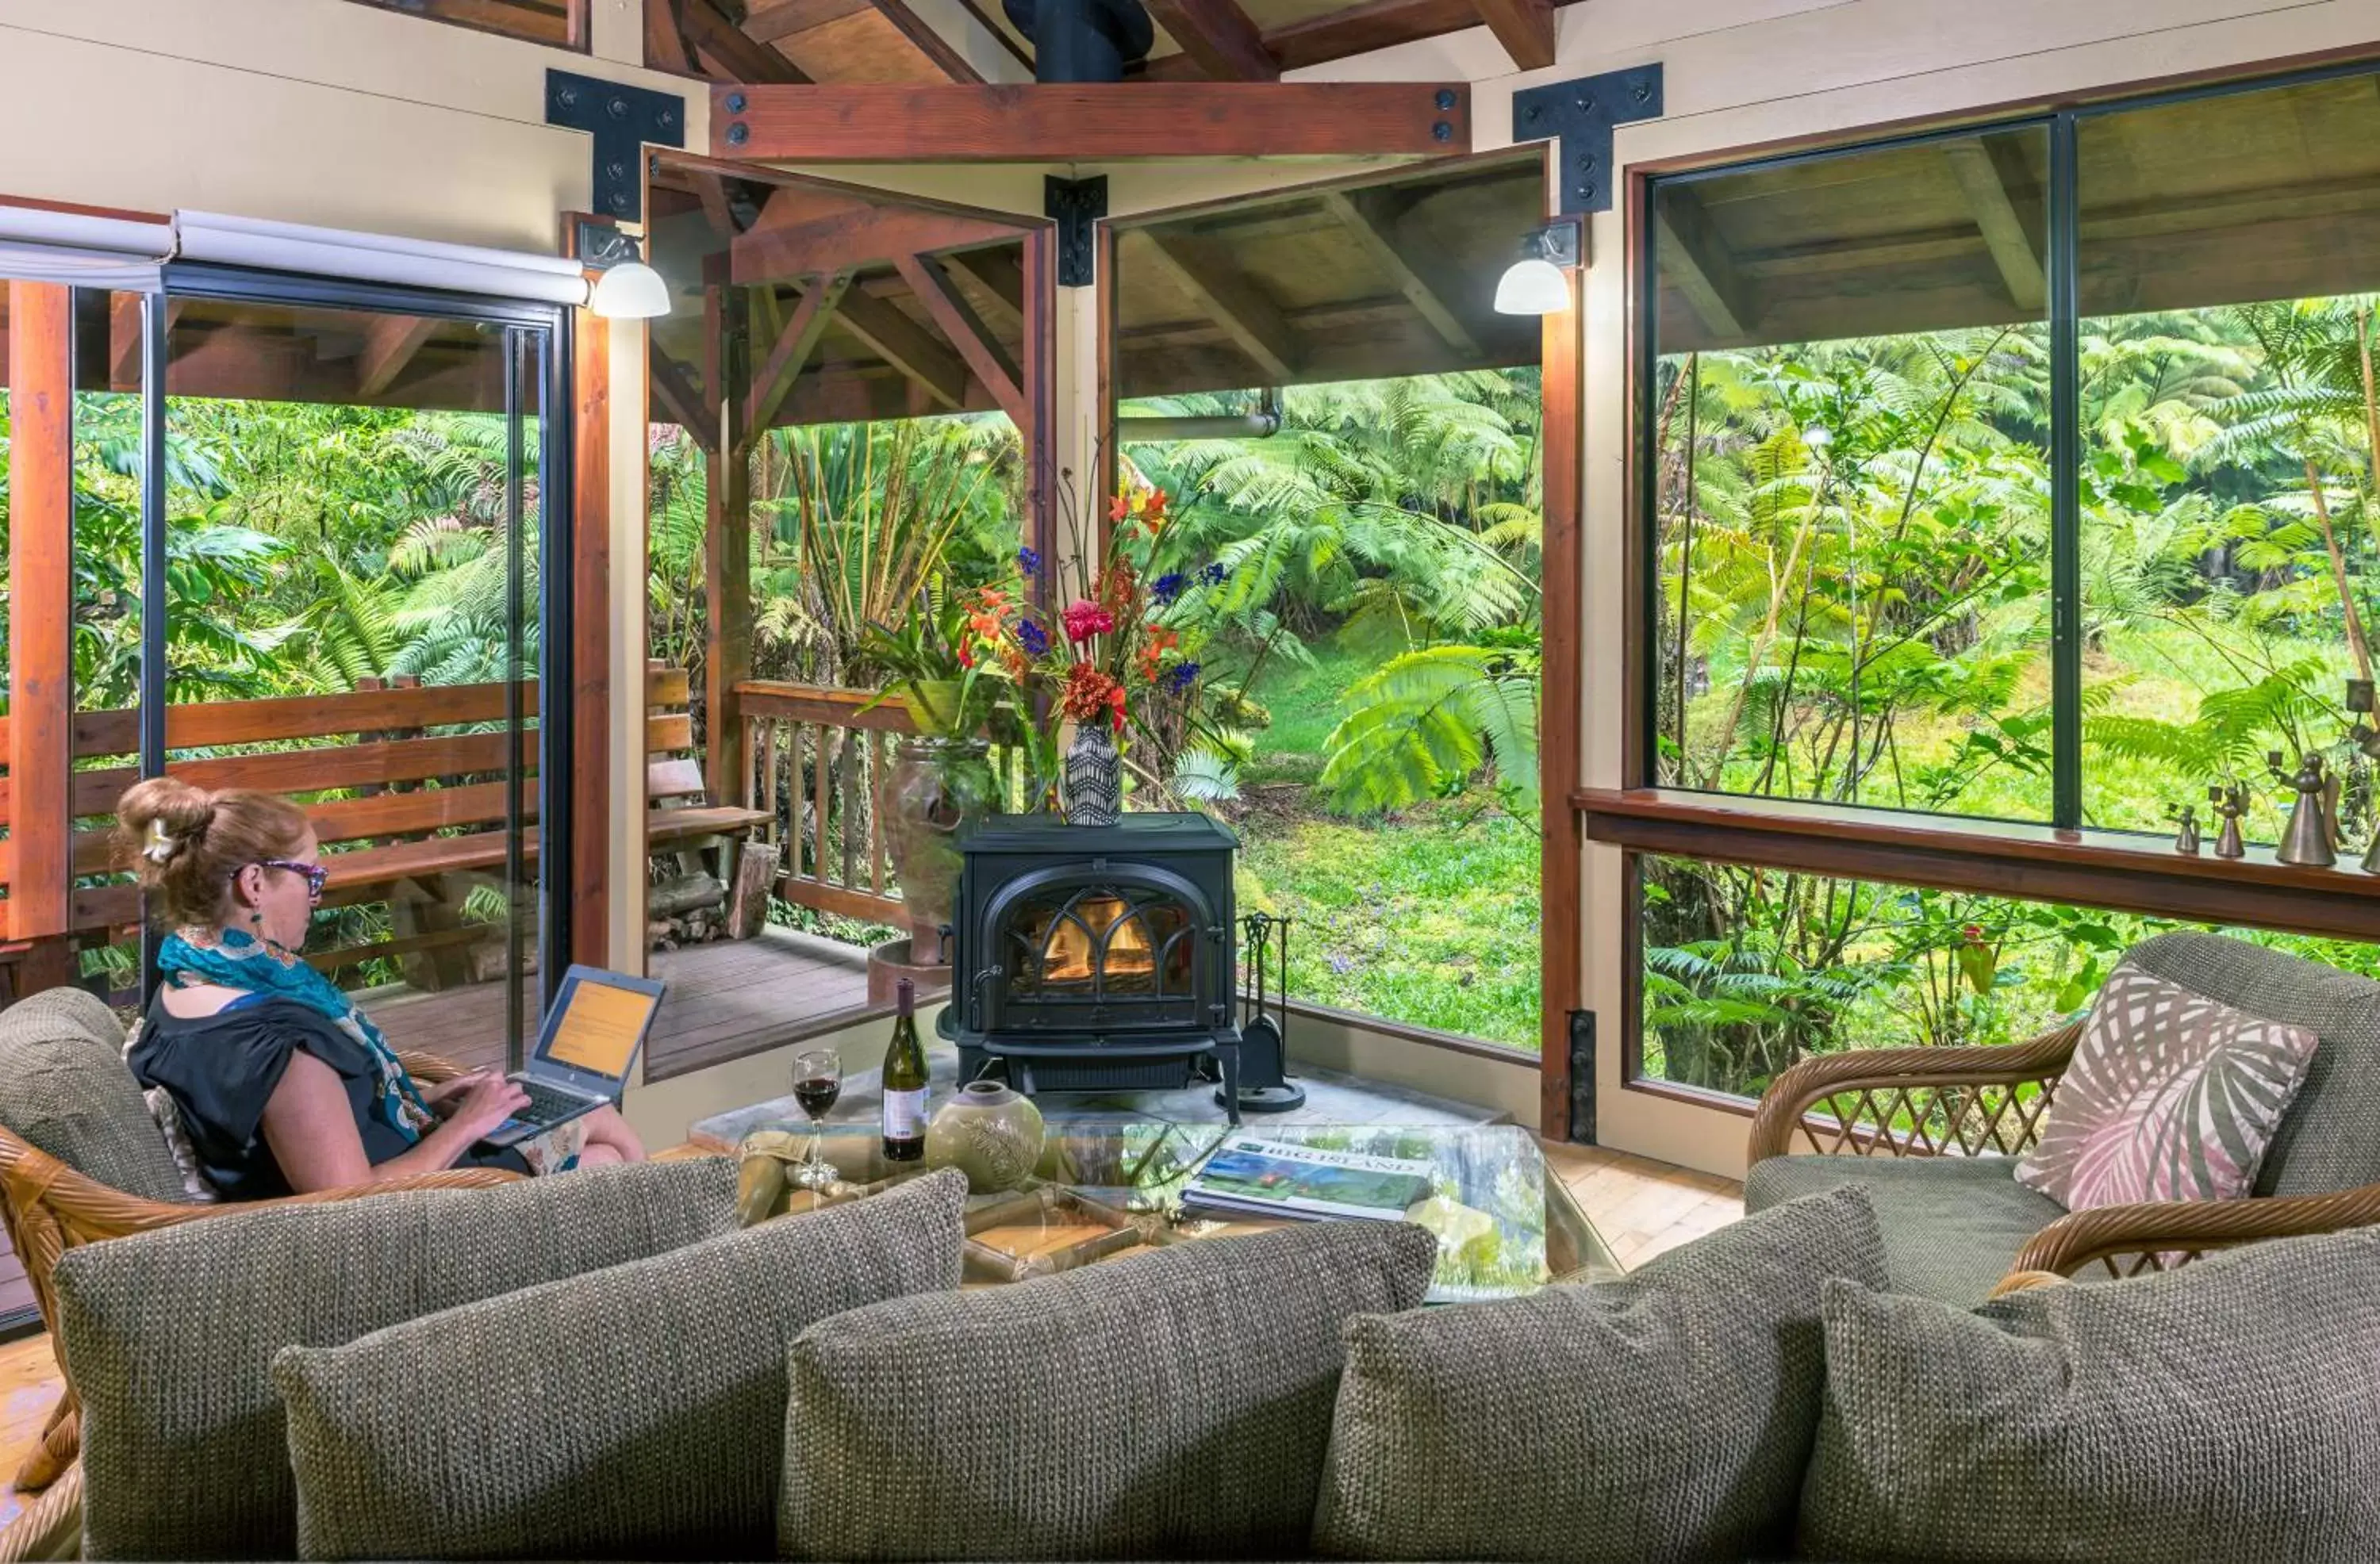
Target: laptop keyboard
545	1104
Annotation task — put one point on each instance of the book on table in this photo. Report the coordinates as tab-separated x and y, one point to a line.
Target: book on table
1248	1176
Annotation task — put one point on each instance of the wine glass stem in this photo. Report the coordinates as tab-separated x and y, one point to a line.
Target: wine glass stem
812	1159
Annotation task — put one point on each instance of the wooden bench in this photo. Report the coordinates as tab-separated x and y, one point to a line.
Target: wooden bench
419	808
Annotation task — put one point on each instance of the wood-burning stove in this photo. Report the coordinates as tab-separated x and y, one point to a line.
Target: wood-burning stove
1104	958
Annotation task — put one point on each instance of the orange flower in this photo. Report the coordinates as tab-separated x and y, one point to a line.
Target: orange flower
1154	509
1120	507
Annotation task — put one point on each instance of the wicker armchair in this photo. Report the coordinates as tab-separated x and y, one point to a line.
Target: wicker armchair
1934	1133
81	1161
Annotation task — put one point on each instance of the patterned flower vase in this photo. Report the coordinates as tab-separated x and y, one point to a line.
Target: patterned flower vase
1094	777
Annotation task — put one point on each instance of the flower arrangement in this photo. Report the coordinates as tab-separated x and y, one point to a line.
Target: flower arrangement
1105	649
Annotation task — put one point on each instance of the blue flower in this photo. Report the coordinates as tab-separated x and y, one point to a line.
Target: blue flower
1032	638
1168	586
1213	576
1180	676
1028	560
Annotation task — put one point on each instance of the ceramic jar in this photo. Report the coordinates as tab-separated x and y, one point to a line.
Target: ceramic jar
933	787
987	1132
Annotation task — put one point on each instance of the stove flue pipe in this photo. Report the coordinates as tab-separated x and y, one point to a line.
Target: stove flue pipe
1260	422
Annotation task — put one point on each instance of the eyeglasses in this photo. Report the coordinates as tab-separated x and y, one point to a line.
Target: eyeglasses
316	875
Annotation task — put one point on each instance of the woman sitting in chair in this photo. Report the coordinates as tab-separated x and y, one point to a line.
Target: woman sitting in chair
281	1084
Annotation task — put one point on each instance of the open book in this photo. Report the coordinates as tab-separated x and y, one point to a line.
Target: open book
1251	1177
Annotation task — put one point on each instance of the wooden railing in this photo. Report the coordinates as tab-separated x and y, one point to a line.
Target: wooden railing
817	755
405	789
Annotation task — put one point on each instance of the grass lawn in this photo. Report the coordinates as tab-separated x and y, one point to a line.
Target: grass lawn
1429	917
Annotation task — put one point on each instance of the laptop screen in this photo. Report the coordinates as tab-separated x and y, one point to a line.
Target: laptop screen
599	1026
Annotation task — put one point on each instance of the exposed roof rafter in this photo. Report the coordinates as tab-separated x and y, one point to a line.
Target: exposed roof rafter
1986	181
959	323
1525	29
1372	236
389	344
1231	301
1696	262
773	382
1218	35
905	345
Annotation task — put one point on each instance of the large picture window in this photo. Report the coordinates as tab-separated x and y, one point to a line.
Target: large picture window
1908	408
2025	473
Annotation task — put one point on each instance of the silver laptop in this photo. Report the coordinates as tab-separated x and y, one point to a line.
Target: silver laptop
584	1051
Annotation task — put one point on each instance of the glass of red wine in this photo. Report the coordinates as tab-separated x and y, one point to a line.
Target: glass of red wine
818	1081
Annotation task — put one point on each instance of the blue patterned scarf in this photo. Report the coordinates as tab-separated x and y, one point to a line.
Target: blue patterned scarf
234	959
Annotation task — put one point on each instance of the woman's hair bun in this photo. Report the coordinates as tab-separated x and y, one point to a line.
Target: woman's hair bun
163	816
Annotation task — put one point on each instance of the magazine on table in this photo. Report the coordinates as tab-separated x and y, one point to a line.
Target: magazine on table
1248	1176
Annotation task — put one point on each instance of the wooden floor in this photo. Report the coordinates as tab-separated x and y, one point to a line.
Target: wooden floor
1641	1207
724	999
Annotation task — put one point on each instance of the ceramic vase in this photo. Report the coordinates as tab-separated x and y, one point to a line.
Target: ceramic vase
989	1132
933	787
1094	777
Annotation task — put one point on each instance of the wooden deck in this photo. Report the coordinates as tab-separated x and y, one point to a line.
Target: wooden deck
724	999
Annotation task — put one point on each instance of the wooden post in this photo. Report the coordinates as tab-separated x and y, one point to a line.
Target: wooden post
592	828
1561	977
727	536
40	627
1037	381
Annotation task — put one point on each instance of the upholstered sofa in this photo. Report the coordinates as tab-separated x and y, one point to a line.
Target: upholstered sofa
1933	1135
466	1373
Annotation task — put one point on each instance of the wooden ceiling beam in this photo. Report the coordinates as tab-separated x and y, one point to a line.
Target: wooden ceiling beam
1218	35
390	343
1694	261
1986	184
958	320
1231	300
799	234
1088	122
676	398
1372	237
905	345
774	380
124	365
736	54
665	44
768	21
1002	277
939	51
1525	29
1360	29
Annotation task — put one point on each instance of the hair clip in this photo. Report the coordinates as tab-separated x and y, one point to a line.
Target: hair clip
160	844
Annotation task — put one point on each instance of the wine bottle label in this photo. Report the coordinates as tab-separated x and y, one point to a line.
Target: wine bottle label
905	1114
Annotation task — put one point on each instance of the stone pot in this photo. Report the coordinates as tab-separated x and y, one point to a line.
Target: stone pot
933	787
989	1132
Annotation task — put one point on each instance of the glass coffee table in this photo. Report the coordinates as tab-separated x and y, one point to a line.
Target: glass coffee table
1107	1187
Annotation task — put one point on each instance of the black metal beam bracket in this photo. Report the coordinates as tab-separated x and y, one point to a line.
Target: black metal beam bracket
1077	205
1578	117
624	121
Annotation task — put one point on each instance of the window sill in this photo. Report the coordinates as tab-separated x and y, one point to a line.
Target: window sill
2117	871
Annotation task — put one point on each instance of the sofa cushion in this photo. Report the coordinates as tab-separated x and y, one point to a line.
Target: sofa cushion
1951	1224
2225	1413
65	1089
2330	1137
632	1411
1169	1405
169	1337
1665	1416
2171	1095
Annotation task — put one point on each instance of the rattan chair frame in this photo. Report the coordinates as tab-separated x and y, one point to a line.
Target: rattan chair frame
1807	1101
49	1208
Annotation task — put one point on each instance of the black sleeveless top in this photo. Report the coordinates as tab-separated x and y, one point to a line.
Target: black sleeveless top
221	1069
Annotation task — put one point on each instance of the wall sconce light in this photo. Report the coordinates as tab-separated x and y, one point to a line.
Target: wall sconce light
626	290
1539	282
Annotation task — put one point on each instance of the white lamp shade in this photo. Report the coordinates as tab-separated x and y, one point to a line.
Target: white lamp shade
630	291
1532	286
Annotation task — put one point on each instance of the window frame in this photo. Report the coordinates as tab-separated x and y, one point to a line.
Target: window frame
1648	817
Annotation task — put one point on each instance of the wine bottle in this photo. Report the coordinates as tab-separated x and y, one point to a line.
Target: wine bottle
904	1083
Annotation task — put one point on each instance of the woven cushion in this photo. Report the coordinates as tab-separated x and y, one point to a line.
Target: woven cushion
1169	1405
64	1088
2171	1095
169	1336
2227	1412
1590	1424
634	1412
1951	1224
2330	1137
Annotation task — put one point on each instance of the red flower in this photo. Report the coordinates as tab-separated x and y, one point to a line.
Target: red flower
1085	619
1115	700
1089	692
1120	507
1154	509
